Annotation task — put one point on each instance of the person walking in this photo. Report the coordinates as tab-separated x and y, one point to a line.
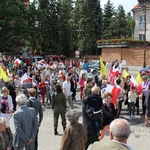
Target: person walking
42	89
26	125
74	137
82	81
59	107
36	104
67	91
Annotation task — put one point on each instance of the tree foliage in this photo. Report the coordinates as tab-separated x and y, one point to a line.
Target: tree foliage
61	26
15	23
116	24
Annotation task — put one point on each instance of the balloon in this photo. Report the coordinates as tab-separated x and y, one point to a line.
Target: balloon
139	88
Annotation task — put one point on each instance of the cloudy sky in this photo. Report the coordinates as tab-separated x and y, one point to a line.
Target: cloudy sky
127	4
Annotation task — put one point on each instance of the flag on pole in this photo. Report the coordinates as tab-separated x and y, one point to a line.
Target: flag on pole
139	78
103	69
3	75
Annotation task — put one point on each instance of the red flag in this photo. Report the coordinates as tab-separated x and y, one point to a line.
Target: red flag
111	77
115	93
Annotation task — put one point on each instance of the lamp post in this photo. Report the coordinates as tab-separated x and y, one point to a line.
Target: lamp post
143	4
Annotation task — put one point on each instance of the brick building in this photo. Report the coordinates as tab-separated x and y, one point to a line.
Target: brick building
133	54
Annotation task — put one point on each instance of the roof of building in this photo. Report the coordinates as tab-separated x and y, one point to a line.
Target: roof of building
137	7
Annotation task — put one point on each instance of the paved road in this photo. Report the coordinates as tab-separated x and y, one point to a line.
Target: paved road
139	138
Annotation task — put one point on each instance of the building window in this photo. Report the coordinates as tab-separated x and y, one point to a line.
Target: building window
141	22
141	37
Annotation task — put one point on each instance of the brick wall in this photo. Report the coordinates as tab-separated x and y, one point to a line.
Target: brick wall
134	56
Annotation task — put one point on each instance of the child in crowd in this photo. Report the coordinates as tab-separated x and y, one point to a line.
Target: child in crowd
132	95
88	87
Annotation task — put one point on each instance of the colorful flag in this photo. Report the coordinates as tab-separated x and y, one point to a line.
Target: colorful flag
103	69
114	91
139	78
125	74
17	62
133	81
25	78
3	75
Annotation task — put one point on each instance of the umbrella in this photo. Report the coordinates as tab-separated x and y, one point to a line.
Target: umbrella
143	69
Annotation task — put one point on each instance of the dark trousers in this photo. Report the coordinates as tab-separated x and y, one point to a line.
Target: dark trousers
36	141
131	108
63	118
14	104
91	138
137	105
119	108
73	94
143	104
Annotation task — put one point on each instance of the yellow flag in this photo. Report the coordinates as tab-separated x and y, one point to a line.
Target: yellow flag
125	74
3	75
139	78
103	69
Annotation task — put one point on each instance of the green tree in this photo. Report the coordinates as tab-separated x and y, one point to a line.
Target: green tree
65	8
46	37
130	25
89	25
108	17
121	22
15	24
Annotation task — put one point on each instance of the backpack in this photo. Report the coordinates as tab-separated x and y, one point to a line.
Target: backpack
4	105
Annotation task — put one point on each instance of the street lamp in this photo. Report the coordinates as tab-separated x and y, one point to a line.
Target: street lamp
143	4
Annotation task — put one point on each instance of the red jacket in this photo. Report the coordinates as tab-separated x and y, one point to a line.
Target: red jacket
43	86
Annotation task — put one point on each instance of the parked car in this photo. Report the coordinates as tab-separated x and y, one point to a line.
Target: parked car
52	58
37	58
94	66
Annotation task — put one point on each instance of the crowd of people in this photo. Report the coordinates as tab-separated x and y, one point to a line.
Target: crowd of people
33	87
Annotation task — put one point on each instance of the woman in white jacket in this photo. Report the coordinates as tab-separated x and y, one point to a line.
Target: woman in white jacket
6	105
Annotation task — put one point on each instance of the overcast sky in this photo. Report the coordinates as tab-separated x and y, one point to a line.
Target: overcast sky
127	4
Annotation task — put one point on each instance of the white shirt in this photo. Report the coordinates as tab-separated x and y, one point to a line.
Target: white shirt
83	71
66	88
